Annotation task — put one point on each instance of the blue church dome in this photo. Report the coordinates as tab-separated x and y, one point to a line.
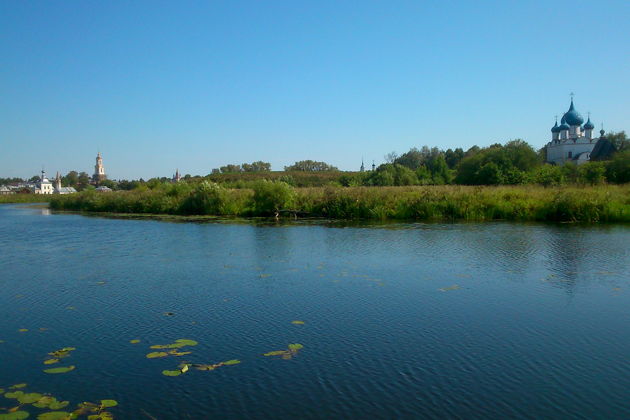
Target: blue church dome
589	125
555	128
563	126
572	117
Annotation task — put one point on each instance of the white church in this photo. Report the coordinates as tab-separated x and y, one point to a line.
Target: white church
571	141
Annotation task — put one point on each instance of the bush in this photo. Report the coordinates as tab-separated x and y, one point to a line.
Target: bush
272	196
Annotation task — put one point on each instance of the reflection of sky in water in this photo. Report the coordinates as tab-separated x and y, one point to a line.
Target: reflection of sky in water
535	327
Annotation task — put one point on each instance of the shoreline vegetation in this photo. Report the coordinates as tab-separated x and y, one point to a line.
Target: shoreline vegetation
264	198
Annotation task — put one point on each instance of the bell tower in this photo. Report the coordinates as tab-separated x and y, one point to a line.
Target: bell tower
99	170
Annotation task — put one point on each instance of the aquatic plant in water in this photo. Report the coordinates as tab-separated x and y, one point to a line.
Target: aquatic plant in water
185	367
40	401
286	354
56	356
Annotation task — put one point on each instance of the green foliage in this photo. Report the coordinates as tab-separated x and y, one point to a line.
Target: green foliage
206	198
310	166
592	173
498	164
620	140
272	196
618	168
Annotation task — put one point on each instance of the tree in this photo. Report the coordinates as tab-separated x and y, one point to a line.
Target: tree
391	157
71	179
511	163
413	159
453	157
618	168
620	140
592	173
83	180
231	168
258	166
310	166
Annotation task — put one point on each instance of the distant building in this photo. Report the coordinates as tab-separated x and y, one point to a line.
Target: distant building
570	141
4	190
44	186
176	177
99	170
362	169
103	188
62	190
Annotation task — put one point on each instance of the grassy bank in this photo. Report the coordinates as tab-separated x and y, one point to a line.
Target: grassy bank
25	198
606	203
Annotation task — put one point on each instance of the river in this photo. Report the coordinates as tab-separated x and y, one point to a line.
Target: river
470	321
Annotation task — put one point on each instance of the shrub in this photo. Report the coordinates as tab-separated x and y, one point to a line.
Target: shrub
272	196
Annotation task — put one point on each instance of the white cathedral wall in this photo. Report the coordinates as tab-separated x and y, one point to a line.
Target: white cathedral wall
559	153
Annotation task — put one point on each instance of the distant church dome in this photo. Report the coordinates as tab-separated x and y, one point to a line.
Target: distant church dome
589	125
555	128
572	117
563	126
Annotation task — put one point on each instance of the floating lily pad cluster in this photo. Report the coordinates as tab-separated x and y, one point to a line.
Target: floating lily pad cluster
52	405
185	367
56	357
288	354
171	349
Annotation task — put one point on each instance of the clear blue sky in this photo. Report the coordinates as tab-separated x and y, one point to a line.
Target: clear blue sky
197	84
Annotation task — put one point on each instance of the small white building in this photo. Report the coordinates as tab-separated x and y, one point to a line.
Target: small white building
44	186
570	141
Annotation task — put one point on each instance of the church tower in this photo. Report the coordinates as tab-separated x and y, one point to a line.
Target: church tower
99	170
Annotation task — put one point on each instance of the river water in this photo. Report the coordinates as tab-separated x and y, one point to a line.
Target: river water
492	320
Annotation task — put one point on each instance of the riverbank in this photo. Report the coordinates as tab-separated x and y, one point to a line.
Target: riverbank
606	203
25	198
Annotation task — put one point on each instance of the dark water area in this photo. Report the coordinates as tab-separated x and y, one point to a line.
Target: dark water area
470	321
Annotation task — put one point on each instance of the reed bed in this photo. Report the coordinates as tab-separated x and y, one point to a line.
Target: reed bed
593	204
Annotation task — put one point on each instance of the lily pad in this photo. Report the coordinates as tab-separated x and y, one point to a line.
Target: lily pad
179	353
51	361
186	342
14	395
156	354
297	322
136	341
44	402
62	369
54	415
23	330
58	405
29	398
18	386
448	289
275	353
109	403
171	372
232	362
17	415
101	416
295	346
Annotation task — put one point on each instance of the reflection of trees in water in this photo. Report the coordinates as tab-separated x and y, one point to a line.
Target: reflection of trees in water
578	253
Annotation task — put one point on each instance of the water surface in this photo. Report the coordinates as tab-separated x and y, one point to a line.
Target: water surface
491	320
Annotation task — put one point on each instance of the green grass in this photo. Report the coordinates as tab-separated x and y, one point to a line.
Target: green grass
25	198
604	203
